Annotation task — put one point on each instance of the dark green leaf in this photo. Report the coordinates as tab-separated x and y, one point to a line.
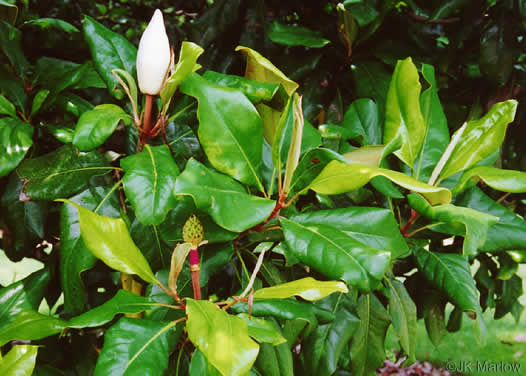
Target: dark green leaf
367	349
11	46
221	337
200	366
15	141
451	274
60	173
324	346
39	100
95	126
58	75
148	182
136	347
292	35
362	120
402	310
8	11
220	196
434	318
48	23
230	129
335	253
511	292
473	224
110	241
109	51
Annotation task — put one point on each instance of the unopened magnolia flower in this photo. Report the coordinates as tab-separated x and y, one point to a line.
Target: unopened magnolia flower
153	56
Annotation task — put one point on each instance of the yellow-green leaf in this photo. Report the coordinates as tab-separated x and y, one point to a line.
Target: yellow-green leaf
308	288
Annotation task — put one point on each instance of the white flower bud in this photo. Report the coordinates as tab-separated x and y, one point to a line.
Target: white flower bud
153	56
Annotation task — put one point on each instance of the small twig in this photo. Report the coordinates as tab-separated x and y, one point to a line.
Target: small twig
423	19
172	294
503	197
412	219
254	273
147	122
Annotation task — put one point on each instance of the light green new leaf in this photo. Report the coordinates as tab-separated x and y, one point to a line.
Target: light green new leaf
293	35
262	70
187	64
402	310
367	348
148	182
136	347
497	178
222	338
334	253
451	273
95	126
478	139
110	241
230	129
15	141
20	361
338	177
262	331
6	107
308	288
404	123
473	224
224	199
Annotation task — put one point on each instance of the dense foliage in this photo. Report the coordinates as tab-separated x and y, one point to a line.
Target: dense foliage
307	177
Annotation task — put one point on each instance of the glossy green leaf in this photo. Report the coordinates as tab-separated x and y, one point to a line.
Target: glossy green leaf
200	366
19	361
6	107
473	224
136	347
402	310
334	253
271	93
362	120
338	177
324	346
293	35
509	233
187	64
229	129
262	331
95	126
404	124
11	272
478	139
109	240
221	197
58	75
221	337
367	347
75	258
63	134
60	173
308	288
39	100
11	46
109	51
15	141
437	133
497	178
148	182
451	273
52	23
370	155
214	258
261	69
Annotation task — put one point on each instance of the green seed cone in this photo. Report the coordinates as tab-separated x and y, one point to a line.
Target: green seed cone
193	231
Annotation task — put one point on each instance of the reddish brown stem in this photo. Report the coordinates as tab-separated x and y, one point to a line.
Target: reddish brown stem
412	219
147	122
195	271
